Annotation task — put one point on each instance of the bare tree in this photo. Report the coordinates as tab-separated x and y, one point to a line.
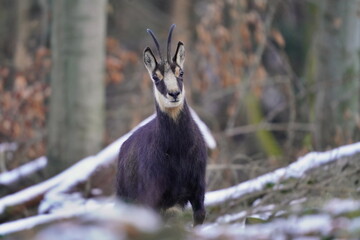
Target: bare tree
337	73
22	59
76	119
7	35
181	11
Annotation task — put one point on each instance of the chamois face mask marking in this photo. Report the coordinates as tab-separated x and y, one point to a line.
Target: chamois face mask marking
167	76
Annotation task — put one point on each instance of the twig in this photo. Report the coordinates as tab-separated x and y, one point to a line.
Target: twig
215	167
271	127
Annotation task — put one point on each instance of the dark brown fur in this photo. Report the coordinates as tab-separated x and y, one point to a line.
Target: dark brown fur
163	163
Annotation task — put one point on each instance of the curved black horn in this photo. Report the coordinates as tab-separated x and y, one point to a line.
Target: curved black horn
156	42
169	42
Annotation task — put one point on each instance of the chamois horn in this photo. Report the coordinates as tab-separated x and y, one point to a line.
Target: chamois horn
169	42
156	42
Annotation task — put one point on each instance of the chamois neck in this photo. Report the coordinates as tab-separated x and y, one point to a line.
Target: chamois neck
175	135
167	123
173	115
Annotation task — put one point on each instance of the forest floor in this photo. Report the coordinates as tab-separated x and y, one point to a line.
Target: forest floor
316	197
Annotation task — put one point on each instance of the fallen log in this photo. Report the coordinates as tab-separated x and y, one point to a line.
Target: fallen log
294	170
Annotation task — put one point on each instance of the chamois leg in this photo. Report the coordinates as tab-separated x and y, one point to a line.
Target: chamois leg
198	208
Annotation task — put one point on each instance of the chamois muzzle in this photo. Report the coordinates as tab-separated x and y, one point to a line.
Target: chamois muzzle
174	95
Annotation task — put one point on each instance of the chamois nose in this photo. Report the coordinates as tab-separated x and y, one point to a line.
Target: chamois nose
174	94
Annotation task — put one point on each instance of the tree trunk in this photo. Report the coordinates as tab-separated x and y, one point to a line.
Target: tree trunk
22	59
7	33
337	73
181	11
76	119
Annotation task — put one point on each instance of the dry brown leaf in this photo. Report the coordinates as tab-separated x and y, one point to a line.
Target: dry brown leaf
278	38
20	83
116	77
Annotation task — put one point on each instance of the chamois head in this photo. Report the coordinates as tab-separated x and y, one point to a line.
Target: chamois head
167	76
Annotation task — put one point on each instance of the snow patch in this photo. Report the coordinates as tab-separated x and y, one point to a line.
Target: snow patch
30	192
8	147
228	218
278	229
103	210
209	139
340	206
30	222
295	170
10	177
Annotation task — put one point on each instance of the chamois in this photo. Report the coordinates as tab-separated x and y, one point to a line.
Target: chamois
163	163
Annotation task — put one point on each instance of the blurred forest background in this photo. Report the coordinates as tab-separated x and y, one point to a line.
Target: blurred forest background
273	80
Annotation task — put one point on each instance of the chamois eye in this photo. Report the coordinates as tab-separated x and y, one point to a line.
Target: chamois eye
181	73
155	77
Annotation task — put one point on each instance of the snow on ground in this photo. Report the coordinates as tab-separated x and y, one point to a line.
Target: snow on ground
83	169
320	223
31	222
66	213
294	170
338	218
341	206
278	229
97	210
10	177
29	193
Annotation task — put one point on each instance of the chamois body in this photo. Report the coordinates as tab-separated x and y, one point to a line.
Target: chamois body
163	163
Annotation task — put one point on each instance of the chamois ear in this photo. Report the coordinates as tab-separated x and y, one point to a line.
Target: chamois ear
149	60
179	57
